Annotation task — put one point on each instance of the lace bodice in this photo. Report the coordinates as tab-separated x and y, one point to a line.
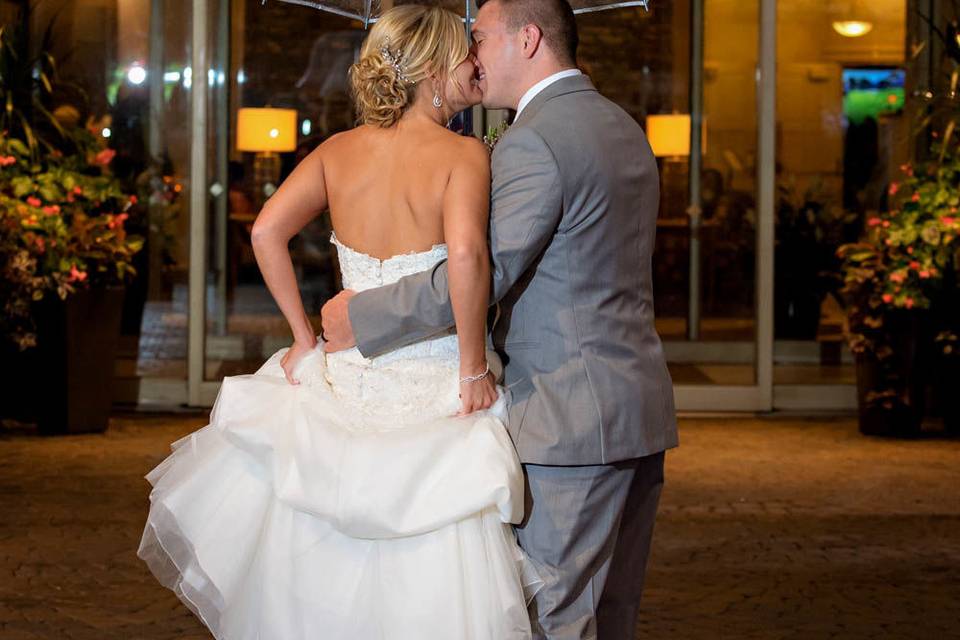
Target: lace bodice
412	381
361	271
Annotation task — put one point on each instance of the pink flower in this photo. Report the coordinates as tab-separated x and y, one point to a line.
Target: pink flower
76	275
118	220
947	220
908	303
6	161
915	197
34	201
907	169
133	199
78	191
897	277
874	221
910	250
886	224
915	265
104	157
51	210
924	274
887	298
894	187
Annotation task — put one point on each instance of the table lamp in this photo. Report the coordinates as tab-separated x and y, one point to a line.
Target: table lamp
669	135
267	132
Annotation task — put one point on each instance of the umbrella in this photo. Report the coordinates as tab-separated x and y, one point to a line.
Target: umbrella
367	11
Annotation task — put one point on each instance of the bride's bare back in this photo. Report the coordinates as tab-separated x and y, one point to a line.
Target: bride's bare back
385	187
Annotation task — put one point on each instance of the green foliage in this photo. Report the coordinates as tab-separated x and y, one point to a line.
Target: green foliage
61	227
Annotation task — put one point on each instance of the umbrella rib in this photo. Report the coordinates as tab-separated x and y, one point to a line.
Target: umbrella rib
368	5
615	5
325	7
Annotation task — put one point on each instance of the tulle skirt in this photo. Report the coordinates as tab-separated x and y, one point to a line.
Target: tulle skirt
299	512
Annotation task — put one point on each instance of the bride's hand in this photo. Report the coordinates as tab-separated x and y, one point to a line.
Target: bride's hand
477	395
292	358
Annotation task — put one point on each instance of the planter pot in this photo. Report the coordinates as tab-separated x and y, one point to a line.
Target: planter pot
65	383
903	420
907	372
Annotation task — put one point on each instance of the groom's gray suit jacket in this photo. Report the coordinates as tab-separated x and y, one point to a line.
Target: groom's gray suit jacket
574	205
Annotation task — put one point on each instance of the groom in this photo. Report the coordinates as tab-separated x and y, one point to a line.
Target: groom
574	204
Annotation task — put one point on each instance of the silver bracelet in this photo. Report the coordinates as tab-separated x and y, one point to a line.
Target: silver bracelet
481	376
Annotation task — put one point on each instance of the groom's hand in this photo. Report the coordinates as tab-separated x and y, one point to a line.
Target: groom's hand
337	333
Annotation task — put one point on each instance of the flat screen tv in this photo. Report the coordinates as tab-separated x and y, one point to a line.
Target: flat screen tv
869	92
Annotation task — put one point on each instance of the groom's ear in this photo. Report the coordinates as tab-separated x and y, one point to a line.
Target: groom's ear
531	37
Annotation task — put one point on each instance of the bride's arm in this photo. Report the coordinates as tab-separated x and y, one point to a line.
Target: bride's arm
301	198
466	211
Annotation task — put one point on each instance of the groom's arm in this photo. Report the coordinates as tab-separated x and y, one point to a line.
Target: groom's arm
526	204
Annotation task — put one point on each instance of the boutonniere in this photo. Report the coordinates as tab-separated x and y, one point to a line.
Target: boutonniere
494	134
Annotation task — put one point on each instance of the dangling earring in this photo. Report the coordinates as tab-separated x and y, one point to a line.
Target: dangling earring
437	100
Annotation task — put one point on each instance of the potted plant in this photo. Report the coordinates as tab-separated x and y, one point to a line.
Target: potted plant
900	290
64	252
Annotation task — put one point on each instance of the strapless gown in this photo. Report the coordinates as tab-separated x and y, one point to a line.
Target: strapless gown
352	506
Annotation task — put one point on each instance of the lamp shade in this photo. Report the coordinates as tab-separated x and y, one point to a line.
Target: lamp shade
669	134
266	129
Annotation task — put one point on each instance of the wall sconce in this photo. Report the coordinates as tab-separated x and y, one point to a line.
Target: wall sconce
852	28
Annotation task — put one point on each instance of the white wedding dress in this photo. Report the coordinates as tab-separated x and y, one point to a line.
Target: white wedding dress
353	506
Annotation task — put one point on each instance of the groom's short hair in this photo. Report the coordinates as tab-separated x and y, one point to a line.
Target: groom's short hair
555	19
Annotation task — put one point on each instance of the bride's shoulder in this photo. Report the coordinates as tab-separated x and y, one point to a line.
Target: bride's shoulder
469	148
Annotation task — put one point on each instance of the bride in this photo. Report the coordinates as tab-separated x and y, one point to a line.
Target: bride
338	497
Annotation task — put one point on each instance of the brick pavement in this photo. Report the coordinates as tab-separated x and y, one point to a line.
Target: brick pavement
769	528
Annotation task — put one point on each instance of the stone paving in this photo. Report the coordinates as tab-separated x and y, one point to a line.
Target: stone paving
769	528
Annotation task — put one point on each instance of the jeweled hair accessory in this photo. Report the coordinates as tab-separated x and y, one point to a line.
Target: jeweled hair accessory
395	60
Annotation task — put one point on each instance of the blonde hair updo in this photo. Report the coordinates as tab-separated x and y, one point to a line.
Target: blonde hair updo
420	40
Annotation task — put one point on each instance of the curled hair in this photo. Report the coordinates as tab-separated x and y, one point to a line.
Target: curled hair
406	45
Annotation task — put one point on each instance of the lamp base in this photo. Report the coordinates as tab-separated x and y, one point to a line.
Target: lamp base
266	174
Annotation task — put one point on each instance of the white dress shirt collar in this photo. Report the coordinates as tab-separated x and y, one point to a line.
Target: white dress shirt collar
543	84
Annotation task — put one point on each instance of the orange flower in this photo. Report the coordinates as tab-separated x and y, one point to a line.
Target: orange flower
874	221
104	157
908	303
915	265
51	210
34	201
78	191
894	187
887	298
6	161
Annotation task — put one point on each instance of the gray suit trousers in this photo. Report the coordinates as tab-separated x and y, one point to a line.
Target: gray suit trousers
588	530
